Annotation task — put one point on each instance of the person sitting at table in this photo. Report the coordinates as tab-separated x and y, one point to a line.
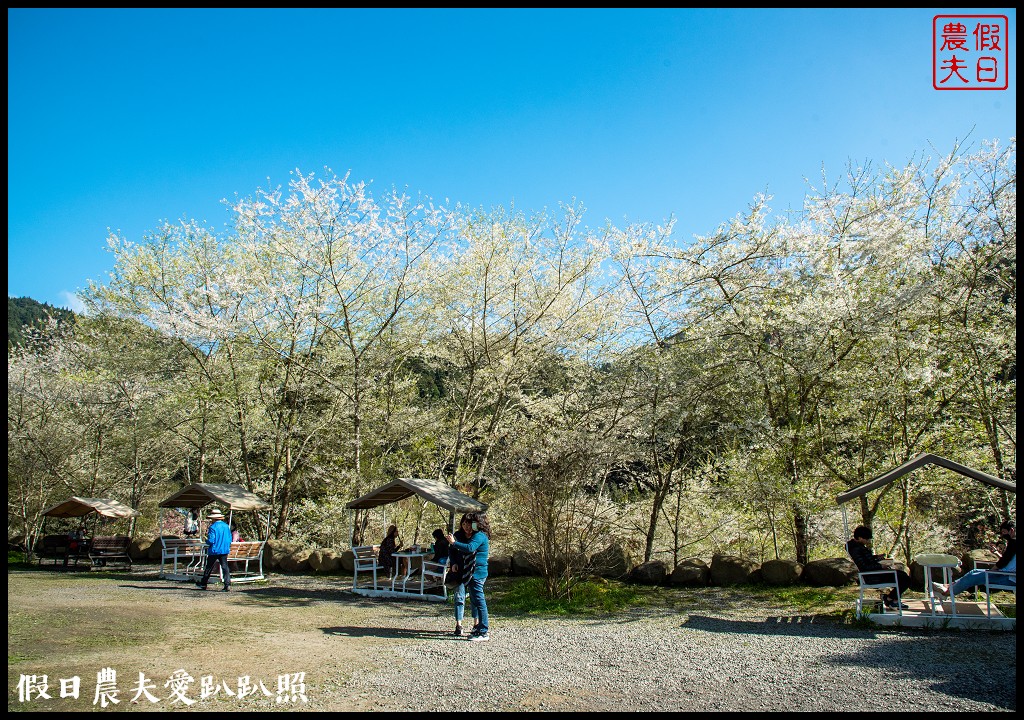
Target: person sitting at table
1007	562
859	547
388	547
440	547
78	541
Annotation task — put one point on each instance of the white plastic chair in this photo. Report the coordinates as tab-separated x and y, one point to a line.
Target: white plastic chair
875	584
364	557
981	565
1001	581
436	570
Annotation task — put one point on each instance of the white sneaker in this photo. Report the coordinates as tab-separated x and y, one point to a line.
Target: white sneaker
940	589
479	638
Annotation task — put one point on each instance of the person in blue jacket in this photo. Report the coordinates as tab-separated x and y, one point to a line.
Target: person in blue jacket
218	545
479	530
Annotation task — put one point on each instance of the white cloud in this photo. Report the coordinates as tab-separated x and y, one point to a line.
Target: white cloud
71	301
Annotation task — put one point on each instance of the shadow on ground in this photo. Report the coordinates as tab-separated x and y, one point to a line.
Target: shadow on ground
797	625
973	665
392	633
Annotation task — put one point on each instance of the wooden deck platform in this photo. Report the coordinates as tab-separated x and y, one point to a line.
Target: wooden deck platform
970	615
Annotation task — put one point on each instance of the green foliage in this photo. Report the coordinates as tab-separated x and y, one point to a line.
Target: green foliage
24	314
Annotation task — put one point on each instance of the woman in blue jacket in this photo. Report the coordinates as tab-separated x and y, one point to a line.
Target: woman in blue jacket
479	530
461	565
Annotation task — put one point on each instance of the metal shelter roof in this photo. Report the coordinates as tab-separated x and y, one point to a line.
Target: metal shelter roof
198	495
79	507
438	493
918	462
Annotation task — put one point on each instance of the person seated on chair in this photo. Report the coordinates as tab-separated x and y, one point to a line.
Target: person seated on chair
1007	562
440	547
388	547
859	547
235	535
78	541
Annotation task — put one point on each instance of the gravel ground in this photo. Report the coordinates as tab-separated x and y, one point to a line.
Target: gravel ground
724	651
694	662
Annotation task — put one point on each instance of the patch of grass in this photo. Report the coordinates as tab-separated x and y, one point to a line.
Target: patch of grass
527	596
16	561
801	597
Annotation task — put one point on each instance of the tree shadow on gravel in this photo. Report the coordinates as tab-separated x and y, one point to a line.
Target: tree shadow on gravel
977	666
797	625
392	633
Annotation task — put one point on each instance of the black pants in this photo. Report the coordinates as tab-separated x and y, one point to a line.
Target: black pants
902	580
222	560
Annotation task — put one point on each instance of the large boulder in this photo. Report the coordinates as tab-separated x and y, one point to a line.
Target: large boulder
973	558
612	562
324	561
691	573
978	558
834	572
731	570
781	572
653	572
347	559
294	562
916	572
156	550
499	565
276	550
139	548
523	565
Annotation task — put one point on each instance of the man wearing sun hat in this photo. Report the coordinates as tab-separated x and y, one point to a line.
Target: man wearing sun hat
218	545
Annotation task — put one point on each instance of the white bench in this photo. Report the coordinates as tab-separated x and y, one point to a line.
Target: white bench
184	556
239	558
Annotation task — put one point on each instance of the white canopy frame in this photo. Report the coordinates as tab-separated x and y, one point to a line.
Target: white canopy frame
191	553
442	495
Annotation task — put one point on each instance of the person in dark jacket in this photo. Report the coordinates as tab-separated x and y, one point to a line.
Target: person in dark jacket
1007	561
859	547
479	544
218	545
441	547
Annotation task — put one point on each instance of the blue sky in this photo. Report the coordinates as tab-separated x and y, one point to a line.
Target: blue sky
123	118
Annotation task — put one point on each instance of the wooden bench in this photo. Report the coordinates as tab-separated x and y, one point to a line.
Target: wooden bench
364	557
108	550
184	556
